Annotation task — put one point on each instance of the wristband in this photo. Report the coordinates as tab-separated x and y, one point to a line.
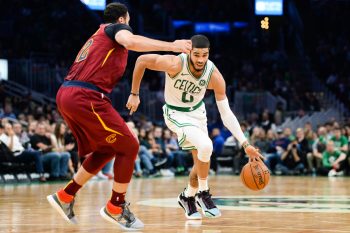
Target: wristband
134	94
245	144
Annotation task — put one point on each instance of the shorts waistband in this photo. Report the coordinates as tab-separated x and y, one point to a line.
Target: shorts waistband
185	109
75	83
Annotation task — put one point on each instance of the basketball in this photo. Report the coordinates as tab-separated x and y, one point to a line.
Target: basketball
255	175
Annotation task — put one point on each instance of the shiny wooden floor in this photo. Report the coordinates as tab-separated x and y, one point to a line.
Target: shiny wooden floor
299	205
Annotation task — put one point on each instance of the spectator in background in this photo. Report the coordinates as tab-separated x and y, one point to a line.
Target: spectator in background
143	138
276	149
8	112
290	163
218	146
32	128
287	132
146	139
240	158
309	133
266	123
160	151
329	128
332	161
254	135
261	141
172	148
138	169
21	134
60	146
314	159
340	141
68	140
303	146
58	164
347	135
10	139
22	119
244	127
145	157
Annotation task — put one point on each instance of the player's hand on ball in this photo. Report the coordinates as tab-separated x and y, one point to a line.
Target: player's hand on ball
133	103
182	46
253	153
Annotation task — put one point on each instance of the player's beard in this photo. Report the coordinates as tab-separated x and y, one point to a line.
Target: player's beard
194	67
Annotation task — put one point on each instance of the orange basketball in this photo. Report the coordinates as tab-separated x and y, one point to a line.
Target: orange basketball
255	175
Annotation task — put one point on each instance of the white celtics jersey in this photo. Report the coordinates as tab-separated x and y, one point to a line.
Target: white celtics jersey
184	90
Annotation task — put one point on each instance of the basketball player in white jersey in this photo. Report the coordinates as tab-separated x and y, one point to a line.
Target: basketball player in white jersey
187	79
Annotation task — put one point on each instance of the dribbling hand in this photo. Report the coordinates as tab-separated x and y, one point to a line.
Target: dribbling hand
253	153
182	46
133	103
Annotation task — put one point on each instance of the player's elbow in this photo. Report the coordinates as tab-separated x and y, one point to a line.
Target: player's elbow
141	61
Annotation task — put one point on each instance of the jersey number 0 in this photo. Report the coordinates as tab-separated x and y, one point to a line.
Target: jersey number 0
187	98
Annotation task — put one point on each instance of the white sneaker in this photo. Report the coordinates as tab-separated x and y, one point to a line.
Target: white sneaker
332	173
189	206
64	209
101	176
166	173
341	173
209	209
126	220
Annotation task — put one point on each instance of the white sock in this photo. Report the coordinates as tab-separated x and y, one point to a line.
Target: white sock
190	191
202	184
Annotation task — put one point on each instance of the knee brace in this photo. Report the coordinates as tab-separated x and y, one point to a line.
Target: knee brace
205	150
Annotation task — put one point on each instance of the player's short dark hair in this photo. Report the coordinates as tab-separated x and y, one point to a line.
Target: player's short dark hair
113	11
200	41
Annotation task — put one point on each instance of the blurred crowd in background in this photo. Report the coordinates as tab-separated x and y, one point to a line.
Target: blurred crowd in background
251	60
43	139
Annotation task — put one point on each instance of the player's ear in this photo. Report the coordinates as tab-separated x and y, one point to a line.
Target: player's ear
121	20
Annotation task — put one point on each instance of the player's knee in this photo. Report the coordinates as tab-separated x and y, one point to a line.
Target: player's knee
204	151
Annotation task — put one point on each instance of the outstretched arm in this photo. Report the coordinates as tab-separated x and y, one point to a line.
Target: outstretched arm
144	44
217	83
167	63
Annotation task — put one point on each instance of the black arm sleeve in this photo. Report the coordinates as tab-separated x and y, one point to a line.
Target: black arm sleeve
112	29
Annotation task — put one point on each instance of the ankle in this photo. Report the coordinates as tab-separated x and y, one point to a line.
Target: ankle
113	209
64	197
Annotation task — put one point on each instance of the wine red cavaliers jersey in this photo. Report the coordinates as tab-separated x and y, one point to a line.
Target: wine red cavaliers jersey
101	61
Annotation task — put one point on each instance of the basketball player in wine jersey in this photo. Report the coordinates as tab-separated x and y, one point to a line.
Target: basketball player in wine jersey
187	79
100	131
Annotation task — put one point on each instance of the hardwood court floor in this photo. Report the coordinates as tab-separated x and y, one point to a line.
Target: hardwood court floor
288	204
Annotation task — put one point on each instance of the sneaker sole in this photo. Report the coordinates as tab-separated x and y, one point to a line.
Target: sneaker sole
187	216
57	207
207	213
111	220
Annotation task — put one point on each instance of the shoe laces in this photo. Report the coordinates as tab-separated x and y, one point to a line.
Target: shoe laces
206	197
126	213
70	209
191	204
